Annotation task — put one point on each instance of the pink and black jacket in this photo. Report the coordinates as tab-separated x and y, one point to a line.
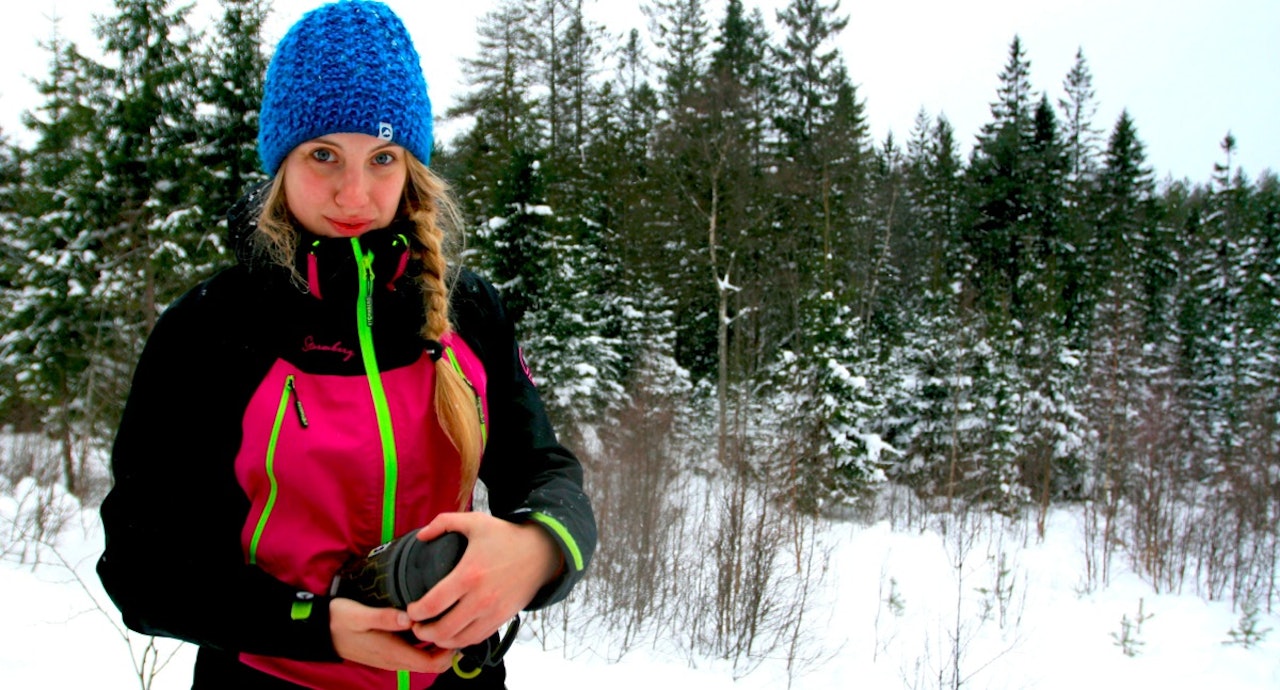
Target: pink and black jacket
274	433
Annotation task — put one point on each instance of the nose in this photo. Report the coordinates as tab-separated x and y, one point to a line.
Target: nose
352	187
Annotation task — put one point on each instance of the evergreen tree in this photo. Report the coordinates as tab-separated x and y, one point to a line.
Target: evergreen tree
935	416
999	181
1081	148
58	331
615	221
500	80
831	404
935	194
150	222
233	68
568	53
1047	250
1122	369
823	151
679	29
1080	137
1232	345
807	86
12	406
622	158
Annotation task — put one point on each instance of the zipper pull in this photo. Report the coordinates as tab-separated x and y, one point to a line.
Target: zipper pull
368	295
297	402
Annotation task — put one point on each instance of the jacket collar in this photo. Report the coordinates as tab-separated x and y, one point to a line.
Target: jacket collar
334	266
328	265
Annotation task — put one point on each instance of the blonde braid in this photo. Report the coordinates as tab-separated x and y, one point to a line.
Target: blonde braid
427	202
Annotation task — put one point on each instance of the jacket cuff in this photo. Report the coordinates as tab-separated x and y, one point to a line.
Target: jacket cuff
308	627
575	557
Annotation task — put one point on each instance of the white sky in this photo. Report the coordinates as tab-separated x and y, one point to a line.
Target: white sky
1188	71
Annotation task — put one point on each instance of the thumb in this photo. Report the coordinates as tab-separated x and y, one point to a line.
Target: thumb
389	619
356	616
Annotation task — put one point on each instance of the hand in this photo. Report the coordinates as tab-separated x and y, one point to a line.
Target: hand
368	636
503	568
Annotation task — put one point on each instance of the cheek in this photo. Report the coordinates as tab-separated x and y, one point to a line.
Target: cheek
388	195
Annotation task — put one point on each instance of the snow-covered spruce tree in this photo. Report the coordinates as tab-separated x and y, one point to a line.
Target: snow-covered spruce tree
1001	233
1215	239
832	396
925	409
13	406
613	221
1117	341
57	331
1234	359
153	237
1053	433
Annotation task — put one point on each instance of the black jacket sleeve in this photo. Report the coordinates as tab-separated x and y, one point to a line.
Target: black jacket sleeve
529	475
173	563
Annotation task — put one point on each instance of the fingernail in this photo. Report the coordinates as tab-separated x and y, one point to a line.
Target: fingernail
403	619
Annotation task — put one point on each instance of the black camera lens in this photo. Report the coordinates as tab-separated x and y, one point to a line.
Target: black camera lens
399	572
419	565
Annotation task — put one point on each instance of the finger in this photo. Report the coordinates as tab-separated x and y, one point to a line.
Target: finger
446	522
472	619
419	659
446	595
439	658
475	632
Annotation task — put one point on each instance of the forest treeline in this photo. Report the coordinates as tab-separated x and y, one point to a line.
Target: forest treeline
701	241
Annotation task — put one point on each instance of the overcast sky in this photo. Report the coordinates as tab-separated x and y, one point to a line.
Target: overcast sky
1188	71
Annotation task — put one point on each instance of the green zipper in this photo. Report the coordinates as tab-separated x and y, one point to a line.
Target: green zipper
364	324
390	464
289	391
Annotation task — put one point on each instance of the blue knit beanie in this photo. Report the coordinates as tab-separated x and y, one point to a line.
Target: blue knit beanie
345	67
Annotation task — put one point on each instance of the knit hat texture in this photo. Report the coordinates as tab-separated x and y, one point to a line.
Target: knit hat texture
345	67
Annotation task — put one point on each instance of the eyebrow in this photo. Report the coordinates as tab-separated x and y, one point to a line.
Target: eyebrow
330	142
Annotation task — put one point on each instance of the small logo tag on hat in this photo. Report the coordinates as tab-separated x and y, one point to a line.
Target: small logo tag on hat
385	131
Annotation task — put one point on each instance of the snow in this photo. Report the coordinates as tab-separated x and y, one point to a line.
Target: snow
887	618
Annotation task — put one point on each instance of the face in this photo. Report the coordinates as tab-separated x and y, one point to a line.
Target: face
343	185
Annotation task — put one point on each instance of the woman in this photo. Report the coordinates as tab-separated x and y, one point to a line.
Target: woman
339	387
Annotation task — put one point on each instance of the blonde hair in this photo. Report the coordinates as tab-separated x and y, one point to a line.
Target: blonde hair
429	204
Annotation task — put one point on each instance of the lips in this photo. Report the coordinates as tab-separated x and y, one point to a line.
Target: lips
349	227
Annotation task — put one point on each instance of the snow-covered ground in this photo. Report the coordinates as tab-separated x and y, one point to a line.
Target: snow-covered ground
887	618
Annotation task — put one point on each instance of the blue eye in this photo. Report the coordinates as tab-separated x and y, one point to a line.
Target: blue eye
384	158
322	155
